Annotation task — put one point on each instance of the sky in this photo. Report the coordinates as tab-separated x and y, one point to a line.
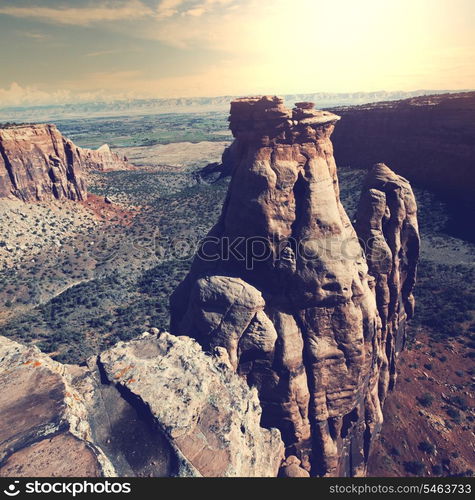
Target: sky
55	51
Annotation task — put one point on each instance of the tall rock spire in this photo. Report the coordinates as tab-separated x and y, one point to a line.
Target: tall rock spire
282	283
386	222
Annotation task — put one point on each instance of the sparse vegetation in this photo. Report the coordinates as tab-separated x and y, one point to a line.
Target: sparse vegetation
414	467
146	130
427	447
437	470
425	399
110	281
445	298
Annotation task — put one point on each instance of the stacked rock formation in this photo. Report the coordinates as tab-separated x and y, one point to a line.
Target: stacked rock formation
282	283
386	223
37	163
155	406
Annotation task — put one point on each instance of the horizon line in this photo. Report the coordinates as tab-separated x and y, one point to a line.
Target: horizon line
102	100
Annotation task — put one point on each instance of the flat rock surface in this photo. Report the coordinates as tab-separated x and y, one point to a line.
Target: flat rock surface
44	418
62	455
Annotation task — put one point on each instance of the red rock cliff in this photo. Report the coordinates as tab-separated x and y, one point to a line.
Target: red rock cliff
282	283
102	159
430	140
38	163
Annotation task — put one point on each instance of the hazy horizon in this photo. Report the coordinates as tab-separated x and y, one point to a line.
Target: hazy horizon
63	51
103	99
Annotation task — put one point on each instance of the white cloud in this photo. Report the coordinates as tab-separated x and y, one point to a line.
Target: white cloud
109	11
35	35
278	46
103	53
219	25
193	8
195	12
82	16
167	8
17	95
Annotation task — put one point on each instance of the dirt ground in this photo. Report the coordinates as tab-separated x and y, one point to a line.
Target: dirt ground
444	371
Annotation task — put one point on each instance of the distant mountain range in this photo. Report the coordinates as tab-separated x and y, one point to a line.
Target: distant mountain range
189	105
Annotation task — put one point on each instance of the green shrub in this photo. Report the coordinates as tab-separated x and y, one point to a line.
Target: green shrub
437	470
459	401
427	447
414	467
426	399
453	413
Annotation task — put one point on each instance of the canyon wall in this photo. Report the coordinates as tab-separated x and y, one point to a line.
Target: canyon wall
37	163
429	139
102	159
282	283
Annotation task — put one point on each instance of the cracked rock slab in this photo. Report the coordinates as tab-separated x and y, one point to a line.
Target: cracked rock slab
209	414
154	406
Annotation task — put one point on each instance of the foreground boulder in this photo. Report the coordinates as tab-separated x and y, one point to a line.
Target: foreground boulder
282	283
45	431
154	406
209	415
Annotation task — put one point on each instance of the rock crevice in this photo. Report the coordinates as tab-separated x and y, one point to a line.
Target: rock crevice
155	406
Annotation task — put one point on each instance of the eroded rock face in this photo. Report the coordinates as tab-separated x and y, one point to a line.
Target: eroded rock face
386	222
37	163
430	140
44	428
229	158
283	285
102	159
149	407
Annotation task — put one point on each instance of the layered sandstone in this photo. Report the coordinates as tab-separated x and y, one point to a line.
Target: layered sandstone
44	429
428	139
155	406
386	223
102	159
282	283
37	163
